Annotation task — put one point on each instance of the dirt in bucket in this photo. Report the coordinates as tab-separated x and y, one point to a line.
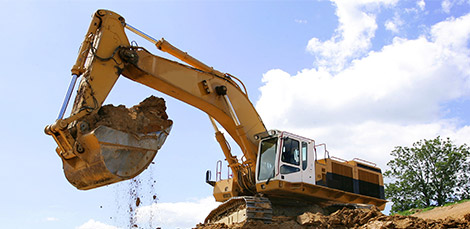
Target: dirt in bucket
146	117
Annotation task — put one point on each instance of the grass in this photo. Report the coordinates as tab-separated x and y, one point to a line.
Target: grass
416	210
458	202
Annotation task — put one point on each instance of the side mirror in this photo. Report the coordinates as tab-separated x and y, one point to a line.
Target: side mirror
208	178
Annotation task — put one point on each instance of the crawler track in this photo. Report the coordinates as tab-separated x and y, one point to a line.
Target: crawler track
241	209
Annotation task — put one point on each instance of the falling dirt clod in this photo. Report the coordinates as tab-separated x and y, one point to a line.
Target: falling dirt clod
137	202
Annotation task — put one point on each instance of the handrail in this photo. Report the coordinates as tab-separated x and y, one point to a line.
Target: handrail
338	159
326	151
218	171
365	161
229	175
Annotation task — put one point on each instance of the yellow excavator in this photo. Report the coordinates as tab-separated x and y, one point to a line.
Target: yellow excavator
279	172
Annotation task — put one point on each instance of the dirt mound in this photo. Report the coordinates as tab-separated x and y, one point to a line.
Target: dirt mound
148	116
456	211
349	218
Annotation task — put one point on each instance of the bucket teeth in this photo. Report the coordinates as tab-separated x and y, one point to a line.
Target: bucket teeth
111	156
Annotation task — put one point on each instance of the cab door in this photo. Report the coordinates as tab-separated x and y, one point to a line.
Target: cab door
289	166
307	165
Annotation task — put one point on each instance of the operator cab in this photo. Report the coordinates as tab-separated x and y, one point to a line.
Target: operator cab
285	156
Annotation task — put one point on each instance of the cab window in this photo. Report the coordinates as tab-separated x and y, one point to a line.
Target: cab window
290	151
304	155
267	159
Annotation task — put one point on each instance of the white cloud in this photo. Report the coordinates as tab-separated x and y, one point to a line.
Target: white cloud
300	21
421	4
373	141
176	215
352	37
92	224
424	72
390	25
386	98
394	24
446	6
165	215
453	34
51	219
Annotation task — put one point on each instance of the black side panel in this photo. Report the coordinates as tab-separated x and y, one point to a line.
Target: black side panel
382	193
349	184
356	186
370	189
340	182
320	182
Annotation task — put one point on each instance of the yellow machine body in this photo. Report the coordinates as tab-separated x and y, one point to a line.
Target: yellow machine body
93	158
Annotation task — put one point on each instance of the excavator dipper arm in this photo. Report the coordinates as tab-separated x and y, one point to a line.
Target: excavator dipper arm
104	55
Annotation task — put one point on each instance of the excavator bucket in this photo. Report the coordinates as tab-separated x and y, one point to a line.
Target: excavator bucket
107	155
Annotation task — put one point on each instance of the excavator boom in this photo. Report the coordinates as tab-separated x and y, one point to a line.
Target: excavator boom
106	54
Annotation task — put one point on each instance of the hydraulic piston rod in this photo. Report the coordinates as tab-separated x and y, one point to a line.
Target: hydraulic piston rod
67	96
165	46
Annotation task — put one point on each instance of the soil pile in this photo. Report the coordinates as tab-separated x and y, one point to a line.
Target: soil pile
350	218
148	116
456	211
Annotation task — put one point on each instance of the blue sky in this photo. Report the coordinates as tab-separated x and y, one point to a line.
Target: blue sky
362	76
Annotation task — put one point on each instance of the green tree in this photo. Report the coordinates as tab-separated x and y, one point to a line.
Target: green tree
431	173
